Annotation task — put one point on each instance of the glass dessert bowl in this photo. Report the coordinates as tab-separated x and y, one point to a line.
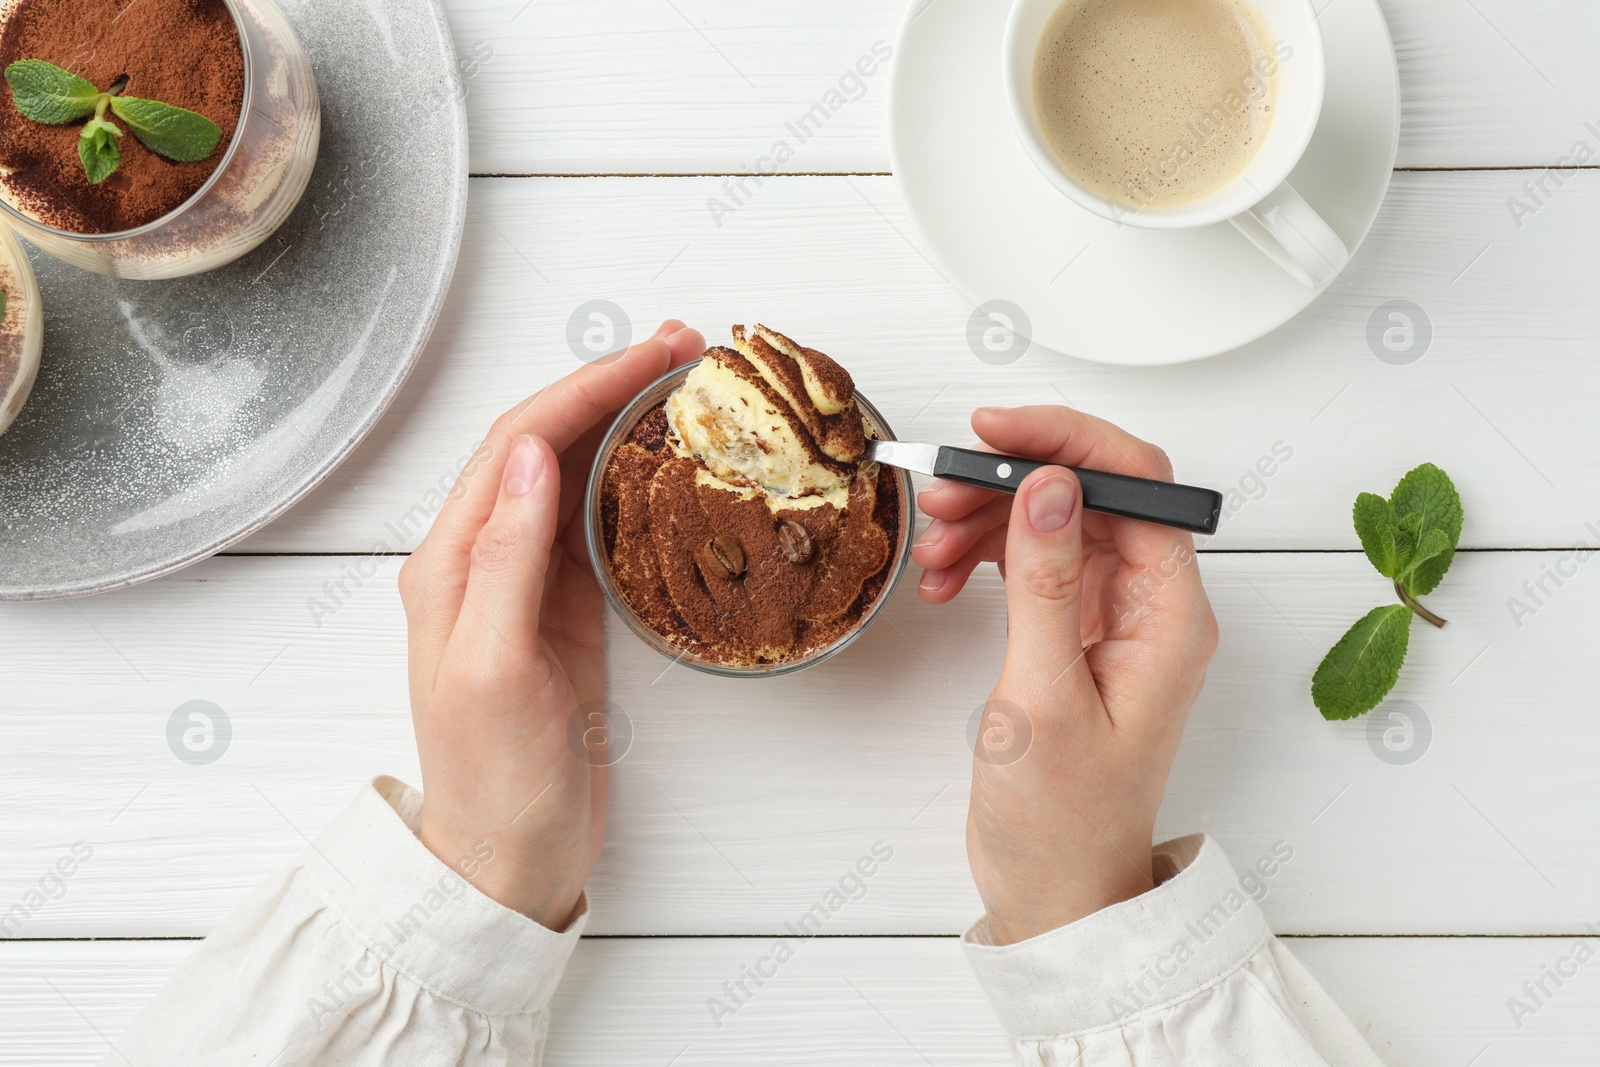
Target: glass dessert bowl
21	329
259	177
708	563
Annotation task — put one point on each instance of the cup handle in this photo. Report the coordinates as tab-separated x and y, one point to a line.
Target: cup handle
1293	236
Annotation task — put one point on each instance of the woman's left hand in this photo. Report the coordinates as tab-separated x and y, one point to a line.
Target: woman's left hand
506	644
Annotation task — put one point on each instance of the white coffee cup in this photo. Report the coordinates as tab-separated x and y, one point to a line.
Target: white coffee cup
1259	201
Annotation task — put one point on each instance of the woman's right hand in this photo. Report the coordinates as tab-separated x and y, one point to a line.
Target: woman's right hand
506	627
1110	633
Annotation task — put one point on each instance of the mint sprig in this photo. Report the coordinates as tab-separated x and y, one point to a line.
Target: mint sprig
1410	539
45	93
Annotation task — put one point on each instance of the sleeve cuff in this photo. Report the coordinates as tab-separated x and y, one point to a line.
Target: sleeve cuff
1134	958
422	919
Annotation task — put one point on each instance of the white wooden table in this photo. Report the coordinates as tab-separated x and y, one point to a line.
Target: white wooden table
1424	895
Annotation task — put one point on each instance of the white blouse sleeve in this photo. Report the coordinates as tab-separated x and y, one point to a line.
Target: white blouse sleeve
368	951
1187	974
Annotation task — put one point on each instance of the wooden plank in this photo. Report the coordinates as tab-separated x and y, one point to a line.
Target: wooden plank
740	803
708	86
1512	314
911	1001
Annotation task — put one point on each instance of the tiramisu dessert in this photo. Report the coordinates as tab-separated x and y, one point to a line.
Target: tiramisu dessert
737	517
67	102
152	139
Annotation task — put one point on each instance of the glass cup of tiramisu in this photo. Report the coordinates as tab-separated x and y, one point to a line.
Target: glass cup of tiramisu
21	328
156	213
731	520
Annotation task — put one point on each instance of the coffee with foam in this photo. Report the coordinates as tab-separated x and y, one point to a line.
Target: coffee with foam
1155	103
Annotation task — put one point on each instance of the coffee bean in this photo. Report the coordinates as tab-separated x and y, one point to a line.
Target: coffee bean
796	541
725	557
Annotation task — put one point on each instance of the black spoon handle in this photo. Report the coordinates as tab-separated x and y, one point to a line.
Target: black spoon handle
1186	507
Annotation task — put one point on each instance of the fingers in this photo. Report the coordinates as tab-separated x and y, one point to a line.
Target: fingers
954	500
1071	438
560	414
1053	433
939	586
511	556
1044	594
947	540
687	345
431	606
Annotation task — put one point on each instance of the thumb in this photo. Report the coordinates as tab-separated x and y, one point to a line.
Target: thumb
509	560
1044	590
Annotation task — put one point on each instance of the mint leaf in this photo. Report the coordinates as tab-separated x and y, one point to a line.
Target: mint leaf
97	147
1376	527
2	305
1405	537
174	132
1358	672
45	93
1434	544
1428	492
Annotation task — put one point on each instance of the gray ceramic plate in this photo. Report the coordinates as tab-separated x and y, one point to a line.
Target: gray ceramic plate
171	419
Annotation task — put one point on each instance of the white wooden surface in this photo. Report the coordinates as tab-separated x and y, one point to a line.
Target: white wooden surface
600	129
705	86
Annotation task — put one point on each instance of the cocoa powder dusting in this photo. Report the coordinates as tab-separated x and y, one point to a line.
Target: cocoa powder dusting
181	52
657	527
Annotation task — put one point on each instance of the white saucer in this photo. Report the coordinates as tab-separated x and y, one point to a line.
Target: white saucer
1086	286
